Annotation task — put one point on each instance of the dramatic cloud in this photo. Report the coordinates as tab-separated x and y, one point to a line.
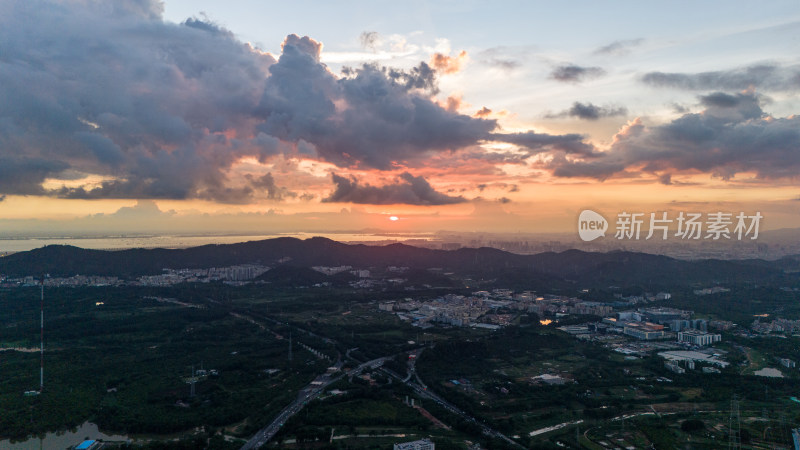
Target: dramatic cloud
160	110
109	89
408	189
618	48
575	74
732	135
373	117
448	64
599	169
764	77
537	143
267	182
139	108
588	111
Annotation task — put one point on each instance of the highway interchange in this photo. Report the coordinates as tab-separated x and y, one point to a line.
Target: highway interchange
319	385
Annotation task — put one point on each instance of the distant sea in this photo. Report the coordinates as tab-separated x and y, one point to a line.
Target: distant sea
13	245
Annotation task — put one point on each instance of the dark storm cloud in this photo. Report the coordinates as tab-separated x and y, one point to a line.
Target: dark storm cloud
22	175
732	135
206	24
421	77
164	110
108	88
267	182
720	100
537	143
407	189
589	111
372	117
571	73
103	148
678	108
598	169
765	77
618	48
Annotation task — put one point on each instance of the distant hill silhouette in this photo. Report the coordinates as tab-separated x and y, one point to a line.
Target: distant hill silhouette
613	267
293	276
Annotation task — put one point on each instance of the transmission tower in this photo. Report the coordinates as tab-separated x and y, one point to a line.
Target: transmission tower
41	342
734	425
290	346
193	380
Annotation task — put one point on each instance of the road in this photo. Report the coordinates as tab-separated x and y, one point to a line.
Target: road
307	394
423	392
313	390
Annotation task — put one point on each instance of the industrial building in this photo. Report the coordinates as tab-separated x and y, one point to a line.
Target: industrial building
680	355
674	367
696	337
680	325
644	331
422	444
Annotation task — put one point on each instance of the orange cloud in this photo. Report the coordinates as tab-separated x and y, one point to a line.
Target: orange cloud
448	64
453	103
483	112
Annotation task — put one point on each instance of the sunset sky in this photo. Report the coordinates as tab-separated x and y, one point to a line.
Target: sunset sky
211	116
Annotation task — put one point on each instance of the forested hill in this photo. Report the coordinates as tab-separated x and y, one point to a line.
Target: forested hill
58	260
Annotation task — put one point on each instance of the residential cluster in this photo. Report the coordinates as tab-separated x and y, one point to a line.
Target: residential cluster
239	274
451	309
231	274
75	281
711	290
481	309
682	340
778	325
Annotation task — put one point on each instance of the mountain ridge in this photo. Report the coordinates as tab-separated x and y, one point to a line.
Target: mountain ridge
622	266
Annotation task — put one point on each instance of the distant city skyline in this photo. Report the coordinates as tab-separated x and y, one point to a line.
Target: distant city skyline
211	117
